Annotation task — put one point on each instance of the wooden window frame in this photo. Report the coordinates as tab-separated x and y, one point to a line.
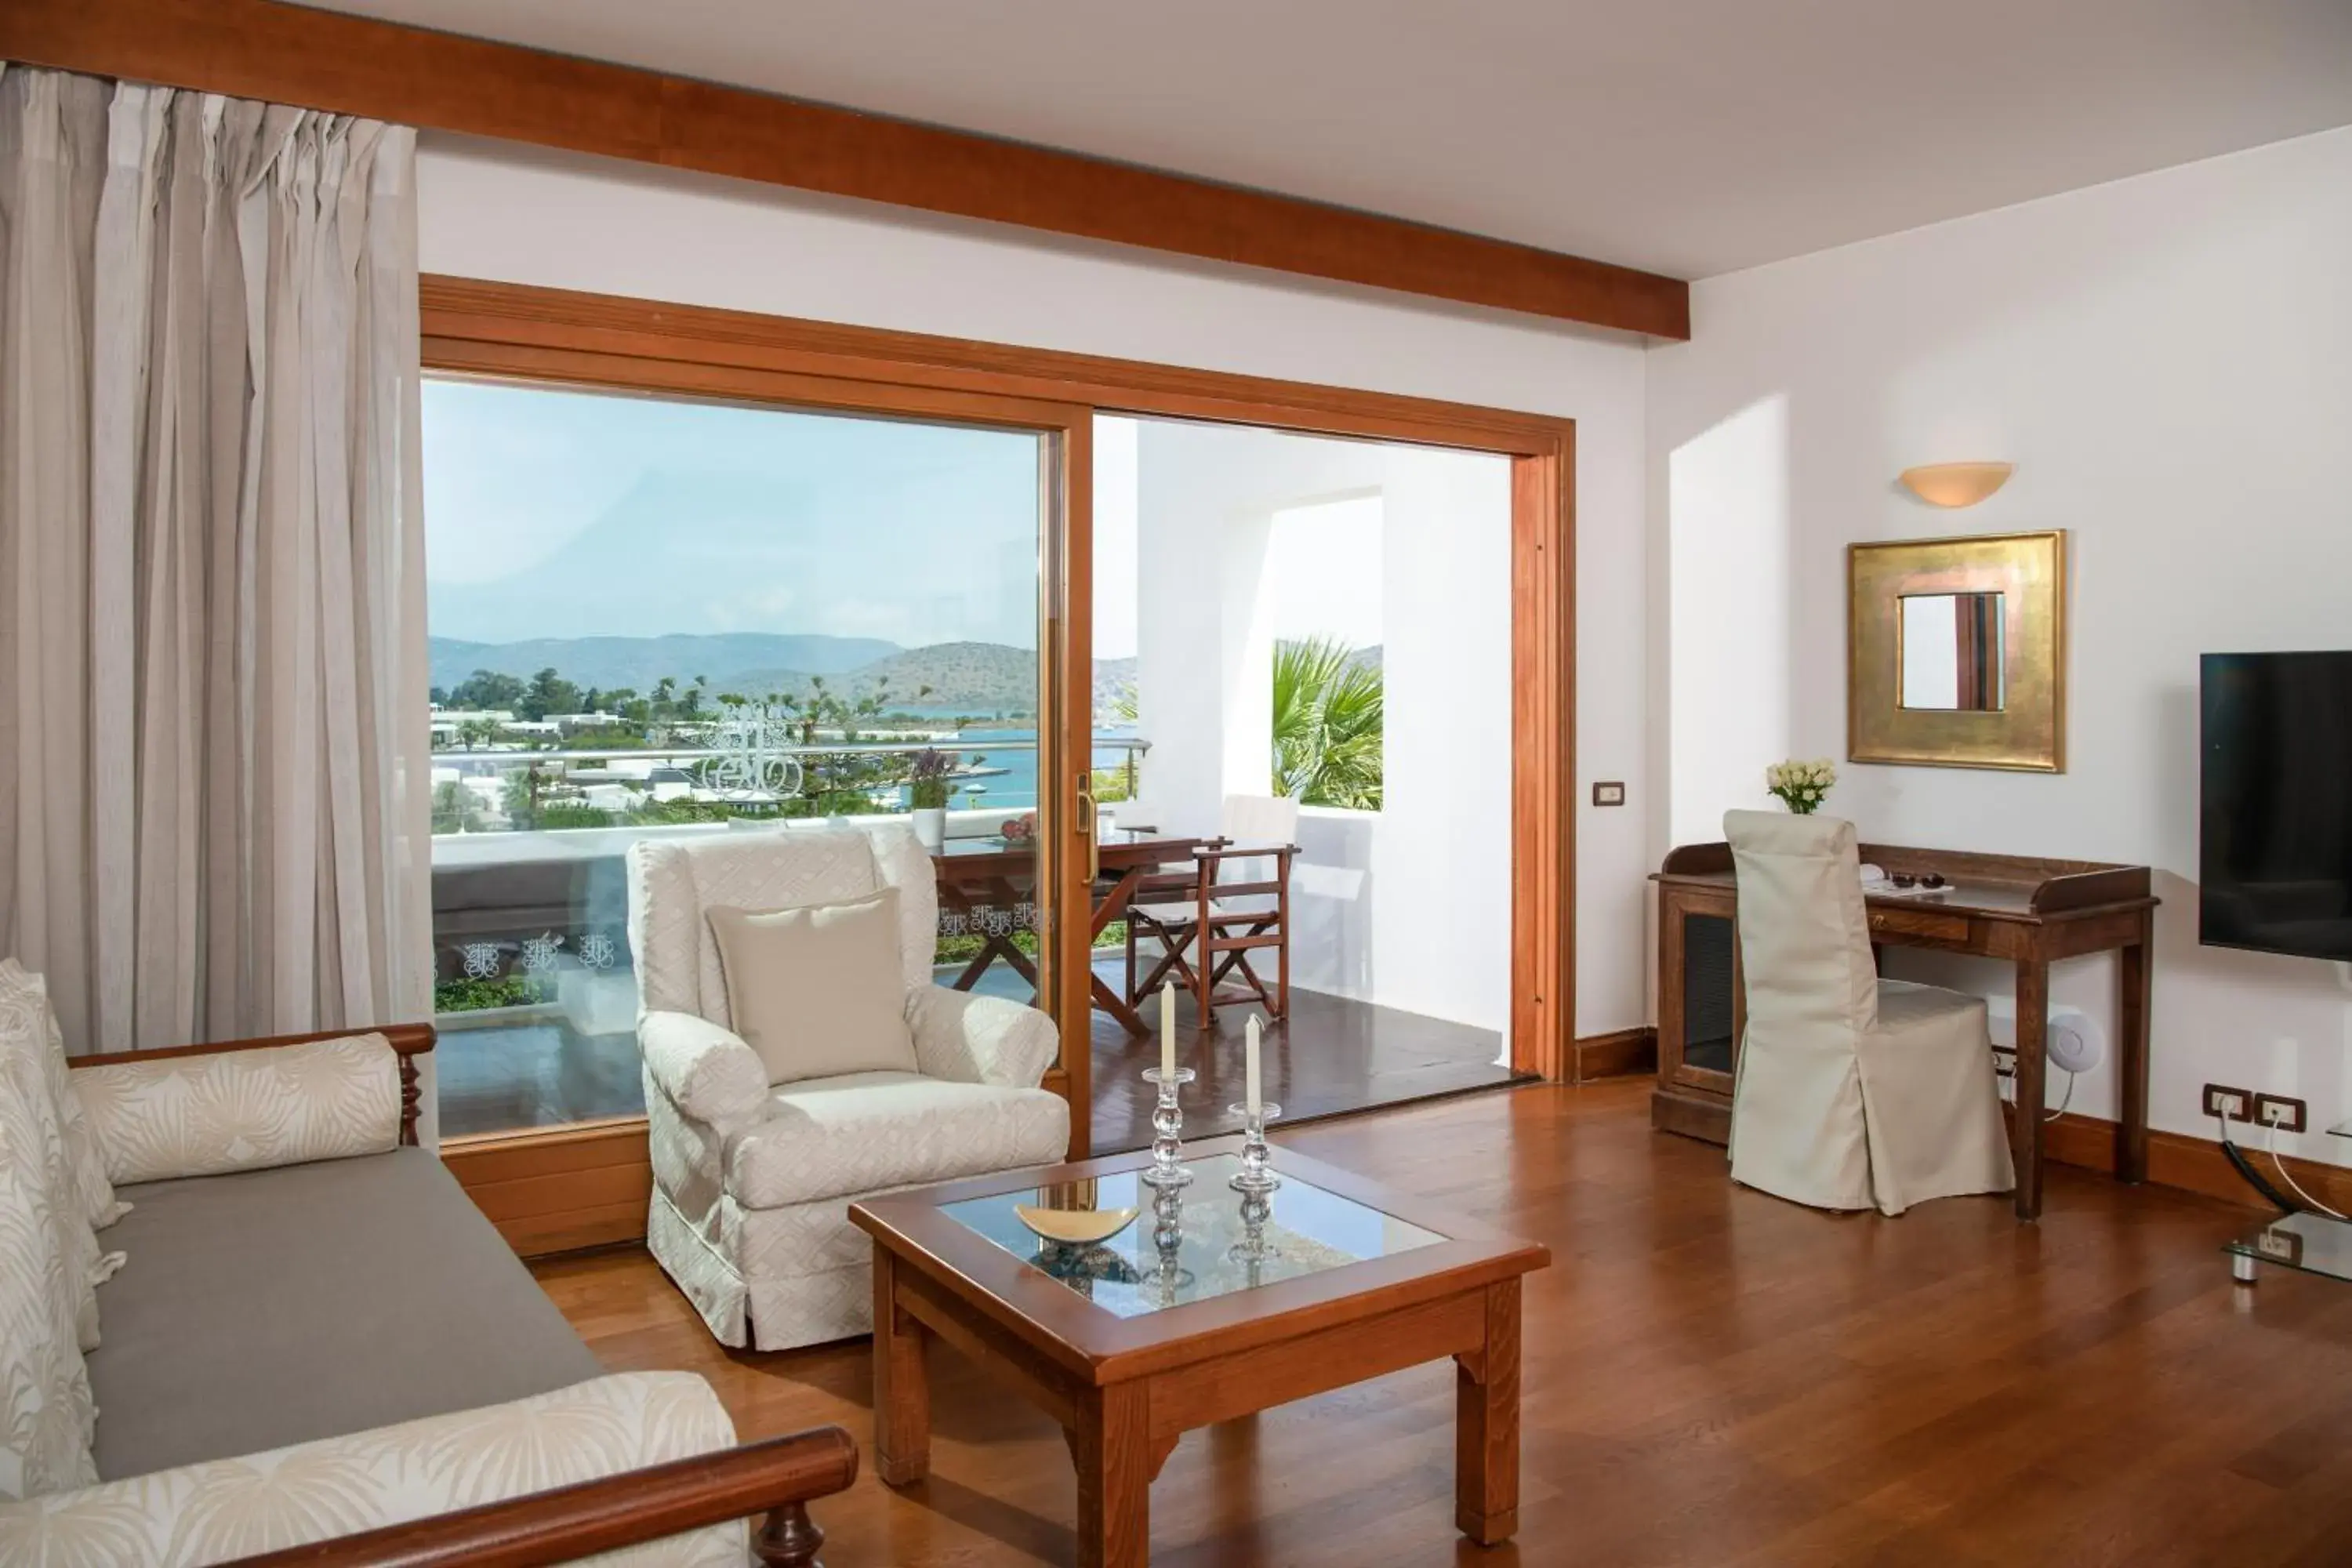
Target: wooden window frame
523	334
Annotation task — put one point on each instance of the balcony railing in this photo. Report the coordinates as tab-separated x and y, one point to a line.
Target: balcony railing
517	908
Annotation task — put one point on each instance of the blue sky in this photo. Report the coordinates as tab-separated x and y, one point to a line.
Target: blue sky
556	514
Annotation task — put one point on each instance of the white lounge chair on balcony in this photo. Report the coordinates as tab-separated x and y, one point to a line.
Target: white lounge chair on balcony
754	1178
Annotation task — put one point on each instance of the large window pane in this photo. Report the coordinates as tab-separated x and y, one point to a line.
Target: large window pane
654	617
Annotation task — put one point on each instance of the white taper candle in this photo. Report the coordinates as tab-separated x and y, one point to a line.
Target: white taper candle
1167	1032
1249	1069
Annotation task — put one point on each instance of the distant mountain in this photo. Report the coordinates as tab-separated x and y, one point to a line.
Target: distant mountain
979	677
1114	679
640	662
983	675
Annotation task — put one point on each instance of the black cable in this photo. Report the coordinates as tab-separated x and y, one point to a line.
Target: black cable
2257	1180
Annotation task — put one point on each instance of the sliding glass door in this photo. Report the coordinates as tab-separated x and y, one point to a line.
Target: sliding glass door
661	615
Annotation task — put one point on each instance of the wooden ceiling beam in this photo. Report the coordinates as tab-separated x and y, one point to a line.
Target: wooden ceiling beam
440	81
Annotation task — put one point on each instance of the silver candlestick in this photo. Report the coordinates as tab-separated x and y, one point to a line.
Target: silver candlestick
1167	1128
1257	1174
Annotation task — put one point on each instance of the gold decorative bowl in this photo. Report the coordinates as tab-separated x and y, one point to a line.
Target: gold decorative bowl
1075	1227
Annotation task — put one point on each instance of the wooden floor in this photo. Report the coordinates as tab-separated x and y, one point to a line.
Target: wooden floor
1712	1377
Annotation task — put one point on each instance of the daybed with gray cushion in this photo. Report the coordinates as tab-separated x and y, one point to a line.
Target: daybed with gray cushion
302	1330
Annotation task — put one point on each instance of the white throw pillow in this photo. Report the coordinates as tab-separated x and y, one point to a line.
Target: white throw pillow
817	991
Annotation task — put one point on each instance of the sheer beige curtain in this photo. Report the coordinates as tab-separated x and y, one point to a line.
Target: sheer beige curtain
211	583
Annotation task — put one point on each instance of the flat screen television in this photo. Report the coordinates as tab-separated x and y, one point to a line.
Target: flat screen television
2274	838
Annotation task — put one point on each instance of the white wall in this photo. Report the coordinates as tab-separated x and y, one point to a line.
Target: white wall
1408	907
2169	362
513	214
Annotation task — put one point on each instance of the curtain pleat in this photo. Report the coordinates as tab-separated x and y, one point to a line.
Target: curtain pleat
209	560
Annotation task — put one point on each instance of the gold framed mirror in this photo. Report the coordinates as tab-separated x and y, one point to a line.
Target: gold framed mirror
1956	652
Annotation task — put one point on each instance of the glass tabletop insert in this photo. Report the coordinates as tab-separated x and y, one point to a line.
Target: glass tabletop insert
1202	1242
2309	1242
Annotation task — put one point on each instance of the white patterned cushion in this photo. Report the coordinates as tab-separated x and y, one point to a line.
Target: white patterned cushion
208	1114
47	1417
88	1196
837	1136
979	1039
705	1068
222	1508
96	1193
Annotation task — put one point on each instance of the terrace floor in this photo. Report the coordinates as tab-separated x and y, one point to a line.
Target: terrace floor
1334	1055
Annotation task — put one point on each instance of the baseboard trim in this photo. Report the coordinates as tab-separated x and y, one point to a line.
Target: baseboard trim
1622	1053
2193	1164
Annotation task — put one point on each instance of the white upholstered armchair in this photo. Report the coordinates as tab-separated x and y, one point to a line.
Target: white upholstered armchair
753	1180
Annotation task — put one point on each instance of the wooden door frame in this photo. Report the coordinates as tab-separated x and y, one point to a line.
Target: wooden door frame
519	332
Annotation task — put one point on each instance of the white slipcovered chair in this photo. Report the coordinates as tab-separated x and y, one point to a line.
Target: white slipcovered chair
752	1181
1854	1092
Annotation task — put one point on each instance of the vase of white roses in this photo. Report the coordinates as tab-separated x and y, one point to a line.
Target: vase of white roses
1802	786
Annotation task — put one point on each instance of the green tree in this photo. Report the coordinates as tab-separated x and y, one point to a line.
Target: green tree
1328	720
547	693
487	688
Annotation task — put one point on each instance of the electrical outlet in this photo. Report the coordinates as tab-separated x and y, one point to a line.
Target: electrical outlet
2236	1104
2279	1111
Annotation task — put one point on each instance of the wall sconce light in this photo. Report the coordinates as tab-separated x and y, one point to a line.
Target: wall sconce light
1956	484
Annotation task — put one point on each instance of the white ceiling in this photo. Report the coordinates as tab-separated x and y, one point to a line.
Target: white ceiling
1690	137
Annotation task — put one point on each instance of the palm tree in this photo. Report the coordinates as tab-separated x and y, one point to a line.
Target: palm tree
1328	720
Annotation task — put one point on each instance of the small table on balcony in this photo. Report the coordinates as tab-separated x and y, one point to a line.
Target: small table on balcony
977	875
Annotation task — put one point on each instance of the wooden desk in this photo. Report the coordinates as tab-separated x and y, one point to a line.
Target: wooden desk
2031	912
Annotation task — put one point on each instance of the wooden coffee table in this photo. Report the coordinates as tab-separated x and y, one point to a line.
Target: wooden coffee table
1202	1311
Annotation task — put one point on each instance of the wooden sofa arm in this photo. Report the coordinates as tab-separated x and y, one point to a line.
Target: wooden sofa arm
408	1040
779	1475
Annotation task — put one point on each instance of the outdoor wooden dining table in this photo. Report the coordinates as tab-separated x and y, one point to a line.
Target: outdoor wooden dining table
986	881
